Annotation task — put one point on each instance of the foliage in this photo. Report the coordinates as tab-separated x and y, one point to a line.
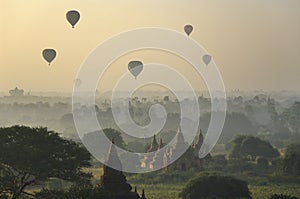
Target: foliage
157	177
262	163
29	156
6	179
211	185
236	122
171	190
166	99
217	163
292	117
291	161
252	146
281	196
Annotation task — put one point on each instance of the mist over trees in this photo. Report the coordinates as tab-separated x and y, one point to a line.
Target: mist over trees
259	115
259	144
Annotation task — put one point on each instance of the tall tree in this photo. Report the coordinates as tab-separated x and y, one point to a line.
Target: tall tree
244	146
291	161
29	156
292	117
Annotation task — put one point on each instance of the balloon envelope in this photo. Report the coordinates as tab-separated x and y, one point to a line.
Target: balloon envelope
73	17
49	55
188	29
206	59
135	68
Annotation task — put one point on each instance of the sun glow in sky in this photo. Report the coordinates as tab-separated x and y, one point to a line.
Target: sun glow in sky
256	44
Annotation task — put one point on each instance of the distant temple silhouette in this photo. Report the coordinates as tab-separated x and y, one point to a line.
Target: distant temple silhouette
16	92
190	158
115	181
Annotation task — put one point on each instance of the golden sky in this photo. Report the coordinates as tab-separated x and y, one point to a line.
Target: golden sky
256	44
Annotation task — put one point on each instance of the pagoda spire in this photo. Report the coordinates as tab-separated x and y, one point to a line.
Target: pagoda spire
154	145
113	180
179	146
160	145
112	156
199	141
179	137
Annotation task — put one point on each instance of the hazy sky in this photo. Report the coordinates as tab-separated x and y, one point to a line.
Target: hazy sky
255	43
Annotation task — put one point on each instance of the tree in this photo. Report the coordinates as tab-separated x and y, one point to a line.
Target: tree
235	123
291	161
29	156
211	185
166	98
262	163
6	178
292	117
244	146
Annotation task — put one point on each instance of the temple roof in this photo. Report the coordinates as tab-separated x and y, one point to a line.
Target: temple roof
154	145
112	156
199	140
179	137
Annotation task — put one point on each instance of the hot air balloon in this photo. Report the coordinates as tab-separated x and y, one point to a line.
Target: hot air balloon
206	59
135	67
188	29
73	17
49	55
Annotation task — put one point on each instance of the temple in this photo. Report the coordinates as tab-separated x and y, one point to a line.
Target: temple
16	92
114	181
190	158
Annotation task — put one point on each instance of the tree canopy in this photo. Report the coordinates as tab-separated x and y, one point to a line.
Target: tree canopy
291	161
211	185
292	117
29	156
244	146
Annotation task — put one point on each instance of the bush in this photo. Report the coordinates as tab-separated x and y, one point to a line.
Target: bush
262	162
211	185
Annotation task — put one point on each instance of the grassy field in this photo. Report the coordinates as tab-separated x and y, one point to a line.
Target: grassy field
160	191
264	192
171	191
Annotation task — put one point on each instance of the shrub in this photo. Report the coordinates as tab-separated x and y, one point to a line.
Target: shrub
212	185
